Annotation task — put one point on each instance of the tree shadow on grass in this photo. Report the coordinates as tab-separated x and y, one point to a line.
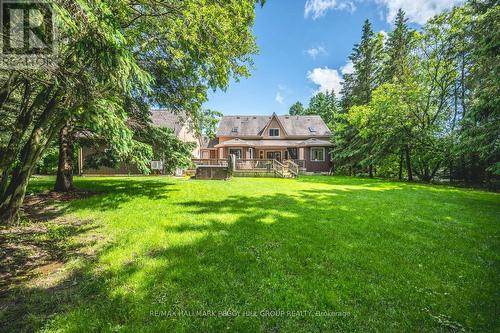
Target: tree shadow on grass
101	195
313	250
113	193
32	260
49	238
347	181
28	250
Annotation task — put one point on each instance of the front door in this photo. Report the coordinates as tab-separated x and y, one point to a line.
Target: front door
274	155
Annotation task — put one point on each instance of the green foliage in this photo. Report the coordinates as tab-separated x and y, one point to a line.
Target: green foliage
426	99
48	163
168	53
352	147
167	147
105	158
324	104
481	125
398	49
206	122
297	109
366	59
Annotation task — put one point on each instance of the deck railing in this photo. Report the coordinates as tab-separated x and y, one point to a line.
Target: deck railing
292	167
278	168
281	169
246	164
301	163
209	161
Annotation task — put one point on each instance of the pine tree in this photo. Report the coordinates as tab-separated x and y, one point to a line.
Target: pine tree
398	48
397	67
481	125
366	58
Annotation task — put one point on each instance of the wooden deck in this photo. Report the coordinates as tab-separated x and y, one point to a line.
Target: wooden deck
257	167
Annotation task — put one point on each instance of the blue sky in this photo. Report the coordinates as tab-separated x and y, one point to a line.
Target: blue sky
304	45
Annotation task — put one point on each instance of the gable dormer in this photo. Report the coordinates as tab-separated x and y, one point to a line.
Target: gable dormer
274	129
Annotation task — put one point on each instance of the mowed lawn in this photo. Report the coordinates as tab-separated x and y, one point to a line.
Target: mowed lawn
315	254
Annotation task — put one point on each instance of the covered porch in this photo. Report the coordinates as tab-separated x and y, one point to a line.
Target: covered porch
309	155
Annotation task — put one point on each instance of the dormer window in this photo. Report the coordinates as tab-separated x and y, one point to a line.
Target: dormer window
234	130
274	132
312	129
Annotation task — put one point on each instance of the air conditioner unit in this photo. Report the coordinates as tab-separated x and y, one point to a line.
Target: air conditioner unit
156	165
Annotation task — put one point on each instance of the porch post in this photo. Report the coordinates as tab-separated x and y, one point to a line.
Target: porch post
301	154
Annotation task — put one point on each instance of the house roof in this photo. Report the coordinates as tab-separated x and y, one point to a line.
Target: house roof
274	143
253	125
165	118
162	118
315	142
209	143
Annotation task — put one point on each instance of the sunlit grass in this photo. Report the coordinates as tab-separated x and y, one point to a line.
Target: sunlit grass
352	254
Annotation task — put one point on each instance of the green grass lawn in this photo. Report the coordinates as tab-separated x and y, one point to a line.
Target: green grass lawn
314	254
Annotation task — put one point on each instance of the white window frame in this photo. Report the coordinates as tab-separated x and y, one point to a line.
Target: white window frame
274	129
317	148
250	153
237	157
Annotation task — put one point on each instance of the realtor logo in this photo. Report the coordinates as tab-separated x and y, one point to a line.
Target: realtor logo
28	34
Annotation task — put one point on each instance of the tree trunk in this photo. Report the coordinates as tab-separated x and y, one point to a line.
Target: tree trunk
434	171
11	201
401	158
64	180
408	164
4	182
464	173
370	171
426	173
9	211
450	168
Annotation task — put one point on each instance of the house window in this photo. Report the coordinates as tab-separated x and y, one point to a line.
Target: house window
312	129
234	130
261	154
318	154
250	153
235	151
274	132
274	155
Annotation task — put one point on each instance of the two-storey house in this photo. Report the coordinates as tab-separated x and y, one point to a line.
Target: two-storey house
302	139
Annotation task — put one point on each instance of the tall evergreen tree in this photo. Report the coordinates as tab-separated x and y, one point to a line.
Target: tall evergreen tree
481	125
397	68
324	104
366	58
398	48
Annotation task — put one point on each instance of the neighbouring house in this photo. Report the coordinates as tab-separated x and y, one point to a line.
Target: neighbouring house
182	126
304	140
